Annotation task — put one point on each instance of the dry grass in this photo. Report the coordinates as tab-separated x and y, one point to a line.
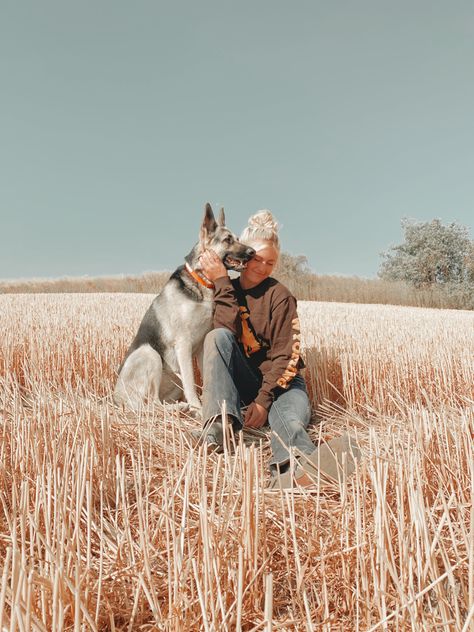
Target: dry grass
304	285
149	282
111	522
352	289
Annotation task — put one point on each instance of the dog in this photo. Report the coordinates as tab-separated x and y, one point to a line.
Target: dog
158	365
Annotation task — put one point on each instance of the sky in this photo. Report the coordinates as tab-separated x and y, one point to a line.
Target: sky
120	120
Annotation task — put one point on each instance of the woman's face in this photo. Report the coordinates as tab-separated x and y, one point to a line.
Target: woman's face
260	266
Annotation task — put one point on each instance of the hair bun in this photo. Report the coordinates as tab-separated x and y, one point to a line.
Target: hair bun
261	227
263	219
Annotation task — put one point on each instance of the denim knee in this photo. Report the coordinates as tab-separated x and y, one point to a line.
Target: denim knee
220	337
289	428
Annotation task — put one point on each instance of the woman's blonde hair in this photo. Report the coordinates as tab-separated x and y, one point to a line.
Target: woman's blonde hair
261	227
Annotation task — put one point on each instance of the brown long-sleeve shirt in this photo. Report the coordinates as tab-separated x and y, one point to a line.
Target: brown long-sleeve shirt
265	321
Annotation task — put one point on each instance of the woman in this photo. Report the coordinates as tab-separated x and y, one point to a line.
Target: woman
252	356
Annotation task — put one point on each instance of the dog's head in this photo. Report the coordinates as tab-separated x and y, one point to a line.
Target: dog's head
216	236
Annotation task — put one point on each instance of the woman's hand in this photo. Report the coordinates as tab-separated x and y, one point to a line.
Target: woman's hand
212	266
255	416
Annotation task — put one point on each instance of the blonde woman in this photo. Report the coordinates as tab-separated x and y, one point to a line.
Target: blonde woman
252	358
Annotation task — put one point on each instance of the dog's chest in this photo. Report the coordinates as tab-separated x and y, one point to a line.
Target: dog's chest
200	319
189	319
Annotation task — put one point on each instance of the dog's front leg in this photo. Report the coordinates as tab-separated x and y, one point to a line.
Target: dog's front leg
185	363
200	358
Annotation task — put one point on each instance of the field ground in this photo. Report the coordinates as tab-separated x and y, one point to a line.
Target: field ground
110	521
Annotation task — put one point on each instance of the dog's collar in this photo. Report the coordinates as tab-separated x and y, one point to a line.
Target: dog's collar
201	280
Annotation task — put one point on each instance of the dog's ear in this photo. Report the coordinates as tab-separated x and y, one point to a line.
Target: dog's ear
221	220
209	226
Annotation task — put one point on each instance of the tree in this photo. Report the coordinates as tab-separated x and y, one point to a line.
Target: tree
293	271
432	253
292	265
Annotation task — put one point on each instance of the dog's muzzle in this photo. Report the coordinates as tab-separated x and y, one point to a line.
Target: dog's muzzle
239	264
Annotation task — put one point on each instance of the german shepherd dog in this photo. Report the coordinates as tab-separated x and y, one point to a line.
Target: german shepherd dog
158	365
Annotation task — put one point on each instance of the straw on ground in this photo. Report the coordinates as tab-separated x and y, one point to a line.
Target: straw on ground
110	521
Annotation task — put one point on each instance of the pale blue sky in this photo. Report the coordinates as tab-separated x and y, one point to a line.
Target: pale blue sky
119	120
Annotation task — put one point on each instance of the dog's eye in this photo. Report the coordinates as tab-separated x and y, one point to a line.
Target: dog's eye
229	240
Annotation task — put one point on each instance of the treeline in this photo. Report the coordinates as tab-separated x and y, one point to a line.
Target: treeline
315	287
294	272
305	285
433	267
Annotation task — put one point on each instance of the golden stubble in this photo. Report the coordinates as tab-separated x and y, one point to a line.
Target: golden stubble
112	521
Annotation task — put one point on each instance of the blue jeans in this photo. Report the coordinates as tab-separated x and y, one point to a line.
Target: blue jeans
227	376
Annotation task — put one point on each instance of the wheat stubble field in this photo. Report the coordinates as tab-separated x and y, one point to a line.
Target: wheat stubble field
113	522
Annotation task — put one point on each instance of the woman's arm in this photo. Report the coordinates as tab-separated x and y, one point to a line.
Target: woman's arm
226	306
284	352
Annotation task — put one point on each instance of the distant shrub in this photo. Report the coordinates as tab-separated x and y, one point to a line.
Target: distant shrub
432	254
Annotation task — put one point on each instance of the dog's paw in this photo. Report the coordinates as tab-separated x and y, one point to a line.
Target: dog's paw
193	409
